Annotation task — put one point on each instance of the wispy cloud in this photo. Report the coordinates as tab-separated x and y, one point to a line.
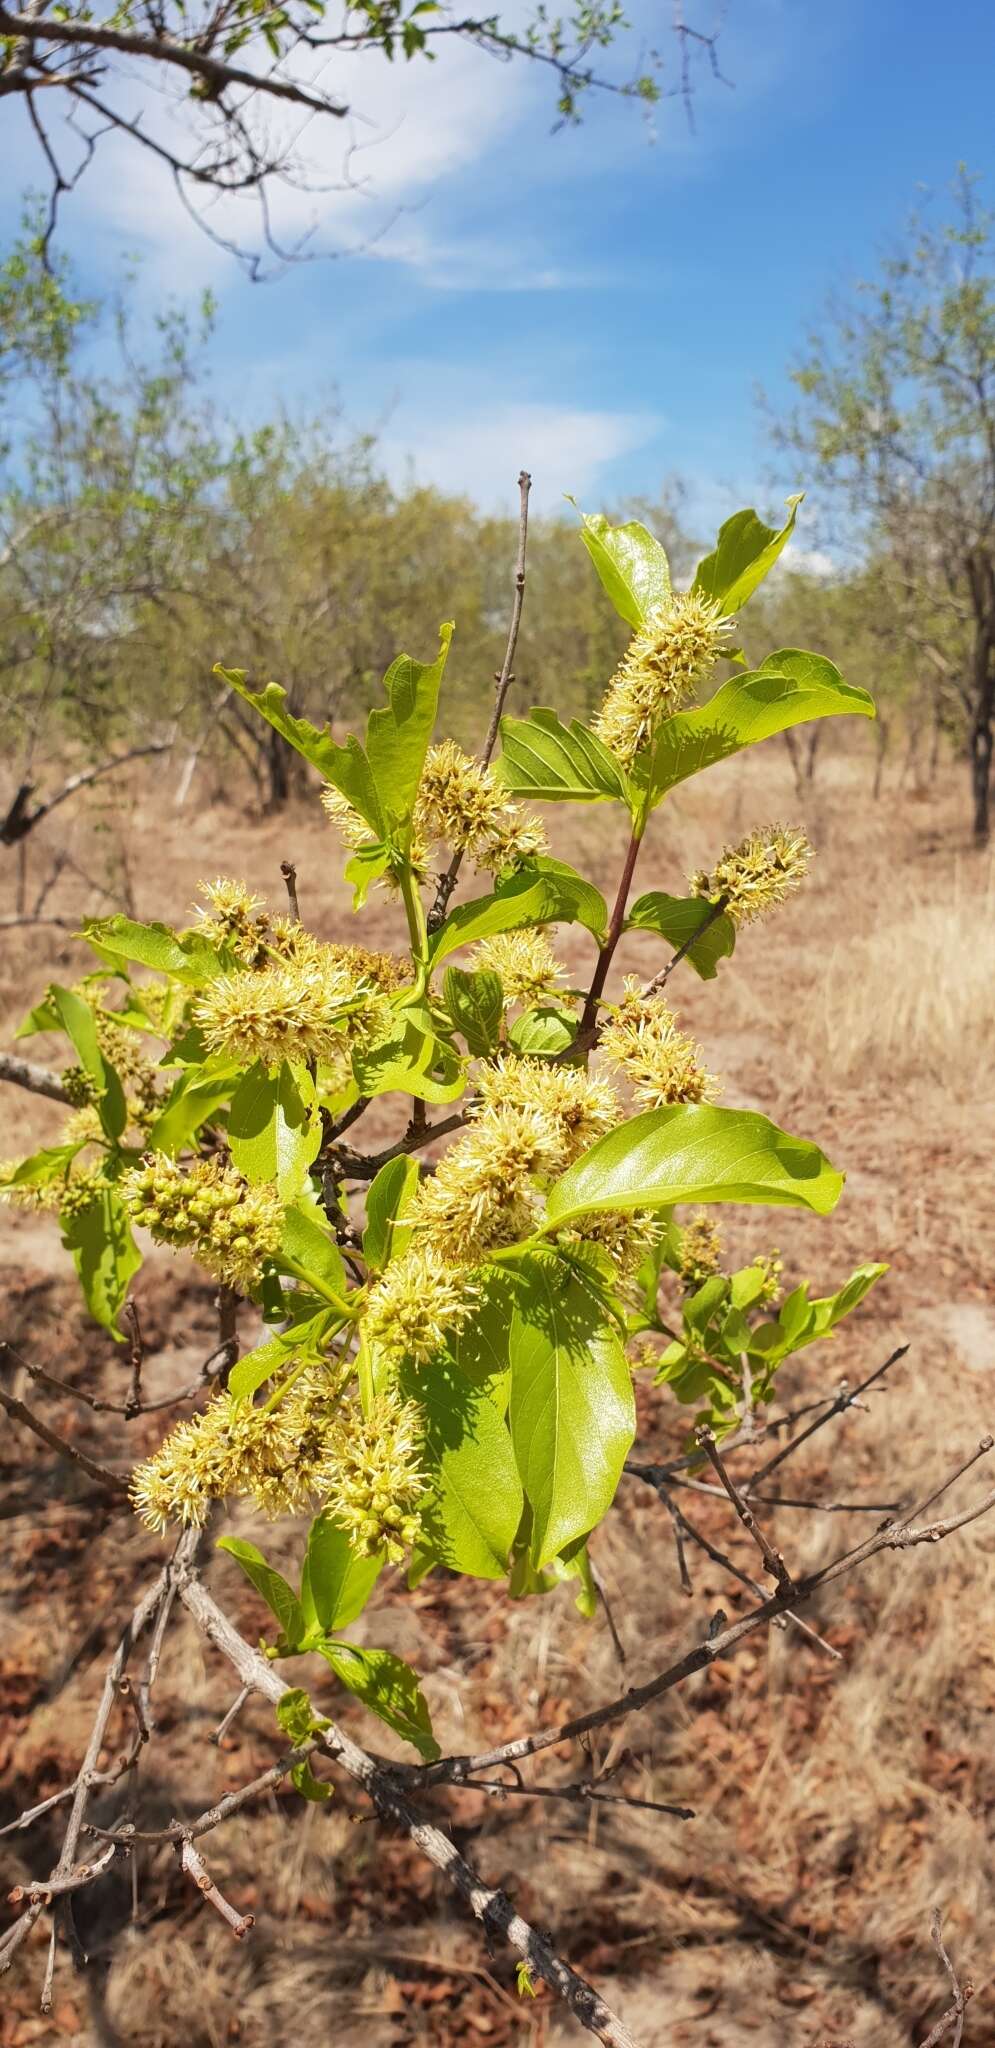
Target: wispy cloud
478	450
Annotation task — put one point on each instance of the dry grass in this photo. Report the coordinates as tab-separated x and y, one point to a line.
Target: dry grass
914	1000
836	1802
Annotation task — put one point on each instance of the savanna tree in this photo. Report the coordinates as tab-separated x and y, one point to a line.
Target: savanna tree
453	1322
898	410
232	87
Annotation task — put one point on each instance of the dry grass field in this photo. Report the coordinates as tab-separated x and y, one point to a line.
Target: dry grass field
836	1801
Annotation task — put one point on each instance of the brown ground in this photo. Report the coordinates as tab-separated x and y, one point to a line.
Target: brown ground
836	1802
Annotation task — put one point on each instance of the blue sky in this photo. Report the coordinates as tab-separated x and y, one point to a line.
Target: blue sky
599	305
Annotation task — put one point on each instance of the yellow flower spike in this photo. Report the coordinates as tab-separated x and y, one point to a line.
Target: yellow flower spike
701	1250
673	651
374	1479
209	1210
416	1305
314	1007
461	802
755	876
643	1041
525	962
581	1106
276	1455
234	918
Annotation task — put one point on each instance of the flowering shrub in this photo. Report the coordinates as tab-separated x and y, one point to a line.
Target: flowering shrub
448	1378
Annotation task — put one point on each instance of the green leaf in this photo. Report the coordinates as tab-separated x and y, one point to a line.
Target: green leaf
544	1032
676	918
105	1256
260	1365
474	1505
41	1168
412	1062
398	733
694	1152
304	1781
80	1026
186	956
193	1099
336	1583
475	1003
296	1716
389	1200
544	893
274	1127
279	1597
801	1321
573	899
788	688
550	762
347	768
307	1239
482	1348
366	866
744	554
572	1409
389	1688
633	567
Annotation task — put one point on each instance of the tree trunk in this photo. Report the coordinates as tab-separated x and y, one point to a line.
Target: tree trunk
981	572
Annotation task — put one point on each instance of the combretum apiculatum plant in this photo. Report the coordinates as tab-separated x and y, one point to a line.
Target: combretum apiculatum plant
448	1378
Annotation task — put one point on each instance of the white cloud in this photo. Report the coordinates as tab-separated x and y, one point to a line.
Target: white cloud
479	449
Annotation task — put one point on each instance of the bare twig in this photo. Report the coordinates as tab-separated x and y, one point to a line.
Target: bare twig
20	820
490	1907
195	1867
218	1734
25	1074
772	1558
113	1482
954	2015
893	1535
289	873
846	1398
502	683
136	1359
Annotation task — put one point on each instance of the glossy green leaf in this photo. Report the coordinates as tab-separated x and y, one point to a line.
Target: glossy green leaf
787	689
551	762
574	900
744	554
398	733
572	1408
544	1032
412	1062
105	1256
676	918
280	1598
364	868
279	1351
388	1202
545	893
482	1348
474	1502
800	1321
187	956
347	768
633	567
192	1101
389	1688
695	1153
274	1127
80	1026
475	1003
40	1168
336	1582
308	1240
